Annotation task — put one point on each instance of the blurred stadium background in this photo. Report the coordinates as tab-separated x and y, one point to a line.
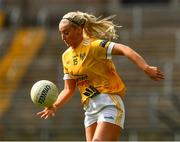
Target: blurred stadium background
31	49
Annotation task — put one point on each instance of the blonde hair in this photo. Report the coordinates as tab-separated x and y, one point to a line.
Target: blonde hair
93	27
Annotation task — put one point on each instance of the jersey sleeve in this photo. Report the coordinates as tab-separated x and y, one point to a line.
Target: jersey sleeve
67	75
102	49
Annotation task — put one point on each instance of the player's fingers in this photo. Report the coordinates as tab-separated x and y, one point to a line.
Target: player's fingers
40	113
161	76
153	78
158	75
45	114
158	78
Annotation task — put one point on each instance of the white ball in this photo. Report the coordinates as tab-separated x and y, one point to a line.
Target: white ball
44	93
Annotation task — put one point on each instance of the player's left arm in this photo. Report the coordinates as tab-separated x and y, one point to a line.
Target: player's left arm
151	71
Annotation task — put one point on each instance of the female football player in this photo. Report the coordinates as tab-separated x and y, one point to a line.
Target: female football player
88	65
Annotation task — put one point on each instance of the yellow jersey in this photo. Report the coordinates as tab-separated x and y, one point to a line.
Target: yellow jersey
91	66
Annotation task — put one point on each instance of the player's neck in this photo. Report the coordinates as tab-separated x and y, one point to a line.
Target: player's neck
77	42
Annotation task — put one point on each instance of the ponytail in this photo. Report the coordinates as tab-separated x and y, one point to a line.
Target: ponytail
94	27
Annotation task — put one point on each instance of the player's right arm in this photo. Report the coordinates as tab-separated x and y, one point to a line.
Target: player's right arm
153	72
63	98
66	93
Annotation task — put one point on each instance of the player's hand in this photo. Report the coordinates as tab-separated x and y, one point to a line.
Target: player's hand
154	73
47	112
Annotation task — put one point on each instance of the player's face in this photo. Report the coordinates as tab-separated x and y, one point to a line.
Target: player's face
71	35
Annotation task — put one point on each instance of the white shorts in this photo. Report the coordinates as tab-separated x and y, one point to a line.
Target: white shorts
105	108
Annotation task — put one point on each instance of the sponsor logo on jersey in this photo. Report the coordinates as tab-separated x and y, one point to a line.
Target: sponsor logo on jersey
91	92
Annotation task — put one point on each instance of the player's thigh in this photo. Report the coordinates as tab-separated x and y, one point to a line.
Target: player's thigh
90	130
106	131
